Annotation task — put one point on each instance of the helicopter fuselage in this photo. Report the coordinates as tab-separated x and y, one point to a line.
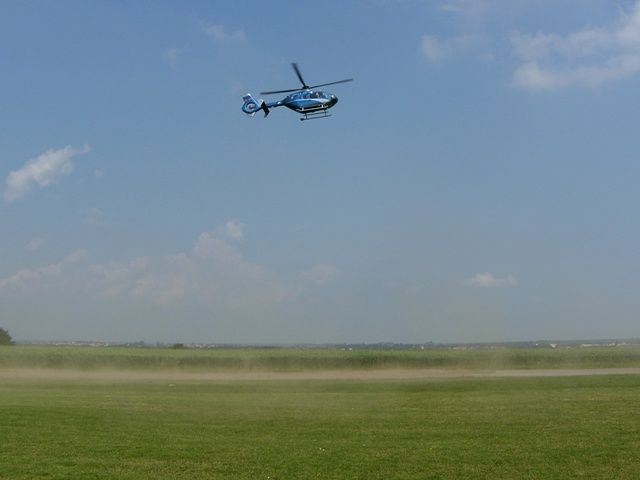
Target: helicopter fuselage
306	101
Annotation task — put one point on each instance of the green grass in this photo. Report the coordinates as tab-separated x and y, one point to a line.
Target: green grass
551	428
291	359
100	428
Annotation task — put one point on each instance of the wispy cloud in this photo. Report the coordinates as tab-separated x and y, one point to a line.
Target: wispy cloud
41	171
436	50
221	34
95	218
114	278
487	280
30	279
466	8
234	229
588	57
213	273
320	274
36	244
171	56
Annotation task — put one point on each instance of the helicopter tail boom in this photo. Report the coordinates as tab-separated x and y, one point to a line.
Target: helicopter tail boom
251	105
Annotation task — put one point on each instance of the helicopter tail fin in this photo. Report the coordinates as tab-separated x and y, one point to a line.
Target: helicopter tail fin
251	105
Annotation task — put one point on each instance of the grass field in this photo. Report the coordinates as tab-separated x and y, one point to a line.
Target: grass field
556	428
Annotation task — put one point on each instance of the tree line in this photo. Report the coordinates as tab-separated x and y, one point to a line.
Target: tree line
5	338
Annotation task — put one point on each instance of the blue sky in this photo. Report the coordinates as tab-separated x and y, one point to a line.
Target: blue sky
477	181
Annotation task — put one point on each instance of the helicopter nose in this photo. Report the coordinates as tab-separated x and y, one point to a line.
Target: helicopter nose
334	100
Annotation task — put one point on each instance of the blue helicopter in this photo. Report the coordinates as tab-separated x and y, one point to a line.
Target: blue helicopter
310	103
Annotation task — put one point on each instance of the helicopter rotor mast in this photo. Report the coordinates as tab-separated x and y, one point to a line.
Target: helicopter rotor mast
297	70
304	85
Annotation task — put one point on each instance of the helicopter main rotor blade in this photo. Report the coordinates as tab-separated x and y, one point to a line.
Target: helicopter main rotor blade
281	91
332	83
297	70
304	85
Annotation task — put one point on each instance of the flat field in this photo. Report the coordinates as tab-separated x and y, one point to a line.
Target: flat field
110	424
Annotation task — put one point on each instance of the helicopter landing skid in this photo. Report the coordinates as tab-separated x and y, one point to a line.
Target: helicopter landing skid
315	115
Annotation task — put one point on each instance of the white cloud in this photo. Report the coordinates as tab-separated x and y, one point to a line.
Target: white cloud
436	50
588	57
113	278
320	274
433	49
95	218
466	8
487	280
234	229
29	279
214	273
98	173
163	289
220	33
171	55
41	171
211	246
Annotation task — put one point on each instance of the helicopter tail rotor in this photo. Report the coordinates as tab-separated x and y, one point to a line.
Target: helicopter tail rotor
251	105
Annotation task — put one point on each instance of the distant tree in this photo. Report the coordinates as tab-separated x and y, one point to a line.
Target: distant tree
5	338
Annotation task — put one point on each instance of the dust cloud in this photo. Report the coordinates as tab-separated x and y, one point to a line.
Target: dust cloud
120	376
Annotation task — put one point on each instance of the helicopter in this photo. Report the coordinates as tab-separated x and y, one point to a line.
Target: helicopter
310	103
